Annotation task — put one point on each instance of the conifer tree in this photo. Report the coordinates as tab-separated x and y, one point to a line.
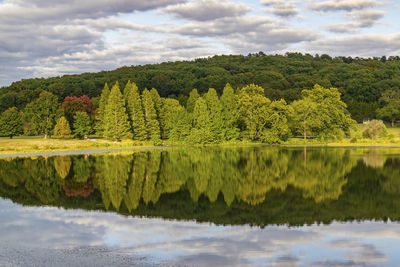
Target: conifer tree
181	125
169	108
191	102
150	115
116	119
215	112
229	113
157	101
100	121
62	129
135	111
201	132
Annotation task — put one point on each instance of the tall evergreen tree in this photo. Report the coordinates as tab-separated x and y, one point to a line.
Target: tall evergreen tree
191	102
201	132
169	108
229	113
150	115
181	125
100	121
116	119
11	123
62	128
135	111
215	112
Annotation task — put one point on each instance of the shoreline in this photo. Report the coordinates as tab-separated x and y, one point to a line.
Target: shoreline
83	151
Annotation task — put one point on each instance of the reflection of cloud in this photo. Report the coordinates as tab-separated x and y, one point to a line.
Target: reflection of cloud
191	243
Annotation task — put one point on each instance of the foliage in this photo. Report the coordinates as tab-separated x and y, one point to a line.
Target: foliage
116	119
391	108
101	111
11	123
150	115
42	113
82	125
135	111
201	131
73	104
375	129
62	129
321	112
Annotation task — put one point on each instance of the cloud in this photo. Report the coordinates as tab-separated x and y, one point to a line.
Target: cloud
360	19
204	10
281	8
366	45
342	5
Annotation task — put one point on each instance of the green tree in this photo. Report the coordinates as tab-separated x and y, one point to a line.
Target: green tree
135	111
11	123
81	124
42	113
321	112
229	113
201	132
169	108
215	112
254	110
191	102
181	125
391	108
62	129
150	115
101	111
116	124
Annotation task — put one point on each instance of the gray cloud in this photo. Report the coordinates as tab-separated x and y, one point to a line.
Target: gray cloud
340	5
360	19
358	45
281	8
204	10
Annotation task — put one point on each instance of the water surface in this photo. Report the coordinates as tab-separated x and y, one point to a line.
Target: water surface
261	206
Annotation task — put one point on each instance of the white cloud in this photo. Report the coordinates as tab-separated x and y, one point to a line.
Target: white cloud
281	8
338	5
204	10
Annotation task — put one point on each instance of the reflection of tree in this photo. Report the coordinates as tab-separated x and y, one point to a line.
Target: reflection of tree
257	185
135	184
115	173
62	165
13	171
81	167
149	192
73	188
43	180
323	173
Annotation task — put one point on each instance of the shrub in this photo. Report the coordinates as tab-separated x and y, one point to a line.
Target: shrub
375	129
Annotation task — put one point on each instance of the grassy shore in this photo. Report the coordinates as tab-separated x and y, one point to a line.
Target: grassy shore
25	145
39	144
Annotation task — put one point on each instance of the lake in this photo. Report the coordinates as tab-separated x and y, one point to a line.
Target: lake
198	206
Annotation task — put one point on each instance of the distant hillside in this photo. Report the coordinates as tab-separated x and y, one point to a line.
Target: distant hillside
361	81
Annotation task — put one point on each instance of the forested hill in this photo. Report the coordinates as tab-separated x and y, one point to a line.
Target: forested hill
361	81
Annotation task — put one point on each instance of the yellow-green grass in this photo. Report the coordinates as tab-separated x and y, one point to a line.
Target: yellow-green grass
21	145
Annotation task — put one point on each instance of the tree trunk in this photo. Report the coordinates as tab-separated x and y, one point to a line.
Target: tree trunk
392	123
305	133
11	136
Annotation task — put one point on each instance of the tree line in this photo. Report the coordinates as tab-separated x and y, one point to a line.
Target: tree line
362	81
241	114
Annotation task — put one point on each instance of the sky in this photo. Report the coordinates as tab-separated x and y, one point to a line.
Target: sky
46	38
